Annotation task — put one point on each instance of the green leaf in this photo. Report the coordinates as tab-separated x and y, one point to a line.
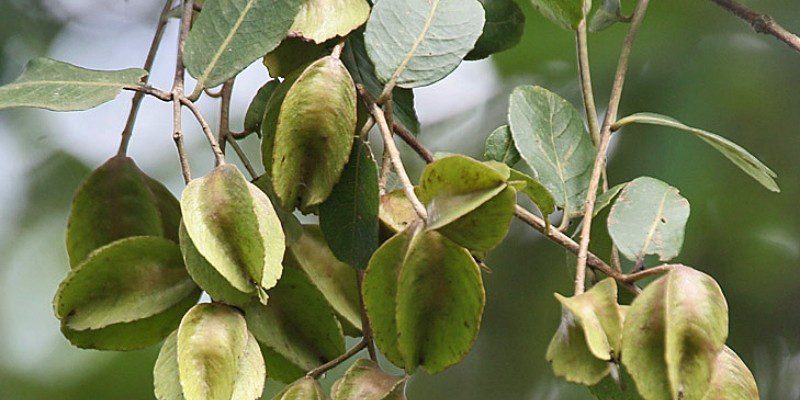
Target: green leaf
258	106
235	228
230	34
673	333
291	225
349	217
552	140
355	58
649	217
126	281
212	351
335	279
320	20
622	388
297	329
166	378
500	147
118	191
589	337
608	14
535	191
292	54
205	276
314	134
503	29
731	380
58	86
604	199
565	13
424	297
468	201
121	286
418	42
396	213
366	381
738	155
305	388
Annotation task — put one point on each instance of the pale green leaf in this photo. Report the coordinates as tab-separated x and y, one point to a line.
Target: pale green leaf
606	15
118	191
396	213
673	333
424	296
552	140
500	147
565	13
731	380
503	29
128	280
732	151
166	378
535	191
606	198
335	279
649	217
230	34
320	20
349	217
362	70
418	42
305	388
211	340
235	228
58	86
314	134
297	329
366	381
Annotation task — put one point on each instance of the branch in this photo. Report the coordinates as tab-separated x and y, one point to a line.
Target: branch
127	132
761	23
366	327
661	269
530	219
316	372
605	138
586	83
177	90
142	90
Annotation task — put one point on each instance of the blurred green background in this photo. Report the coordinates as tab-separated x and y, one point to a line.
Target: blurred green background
692	61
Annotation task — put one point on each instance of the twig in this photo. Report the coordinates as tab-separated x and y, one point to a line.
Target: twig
218	155
146	89
661	269
366	327
316	372
761	23
177	90
530	219
242	156
225	112
386	162
213	94
586	83
127	132
605	138
394	153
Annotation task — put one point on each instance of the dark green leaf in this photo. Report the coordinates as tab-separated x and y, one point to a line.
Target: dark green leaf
608	14
58	86
503	29
230	34
366	381
565	13
550	136
738	155
613	389
535	191
349	217
258	106
292	54
500	147
649	217
418	42
606	198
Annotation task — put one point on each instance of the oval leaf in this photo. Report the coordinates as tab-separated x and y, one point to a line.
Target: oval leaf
732	151
731	379
335	279
258	106
349	217
424	296
292	54
314	134
118	191
230	34
552	140
500	147
303	389
297	329
565	13
535	191
503	30
212	339
673	333
649	217
234	226
415	43
58	86
366	381
320	20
